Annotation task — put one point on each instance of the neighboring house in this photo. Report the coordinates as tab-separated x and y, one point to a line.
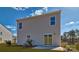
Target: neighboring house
42	29
5	34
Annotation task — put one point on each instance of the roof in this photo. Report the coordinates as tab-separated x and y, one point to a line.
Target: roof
56	12
5	27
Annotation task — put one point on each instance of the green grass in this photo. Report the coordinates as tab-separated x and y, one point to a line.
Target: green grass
15	48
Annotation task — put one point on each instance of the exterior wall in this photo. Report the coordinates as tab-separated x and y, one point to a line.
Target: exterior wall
37	26
6	35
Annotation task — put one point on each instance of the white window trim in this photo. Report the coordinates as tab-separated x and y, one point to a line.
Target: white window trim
50	21
21	25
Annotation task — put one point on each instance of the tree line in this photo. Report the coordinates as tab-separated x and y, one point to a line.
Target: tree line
71	37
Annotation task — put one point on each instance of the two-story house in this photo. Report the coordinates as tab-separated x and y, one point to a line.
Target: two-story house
42	29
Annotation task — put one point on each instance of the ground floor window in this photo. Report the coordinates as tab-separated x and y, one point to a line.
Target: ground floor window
48	39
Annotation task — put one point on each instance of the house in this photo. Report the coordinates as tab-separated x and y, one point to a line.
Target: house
5	34
43	29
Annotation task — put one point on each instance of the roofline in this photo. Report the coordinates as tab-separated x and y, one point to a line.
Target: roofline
57	11
6	28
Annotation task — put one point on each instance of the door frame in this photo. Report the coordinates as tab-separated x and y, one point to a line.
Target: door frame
48	40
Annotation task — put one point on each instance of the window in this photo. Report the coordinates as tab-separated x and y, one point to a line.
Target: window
20	25
28	36
45	39
0	33
52	20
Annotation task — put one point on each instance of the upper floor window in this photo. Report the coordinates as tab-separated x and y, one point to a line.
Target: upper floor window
20	25
52	20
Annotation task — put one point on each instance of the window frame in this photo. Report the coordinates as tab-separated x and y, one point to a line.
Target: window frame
0	33
47	34
50	21
20	25
47	42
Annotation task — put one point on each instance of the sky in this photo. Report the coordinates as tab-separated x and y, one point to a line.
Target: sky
69	16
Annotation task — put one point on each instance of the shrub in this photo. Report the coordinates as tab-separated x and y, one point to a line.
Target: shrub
28	43
8	42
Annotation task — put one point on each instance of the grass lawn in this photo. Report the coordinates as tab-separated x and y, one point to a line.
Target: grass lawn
15	48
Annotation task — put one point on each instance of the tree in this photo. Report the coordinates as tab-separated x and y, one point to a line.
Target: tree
77	33
65	36
72	36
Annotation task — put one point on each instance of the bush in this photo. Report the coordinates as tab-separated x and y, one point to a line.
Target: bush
8	42
28	43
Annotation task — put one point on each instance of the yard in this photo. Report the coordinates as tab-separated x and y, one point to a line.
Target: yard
15	48
70	47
